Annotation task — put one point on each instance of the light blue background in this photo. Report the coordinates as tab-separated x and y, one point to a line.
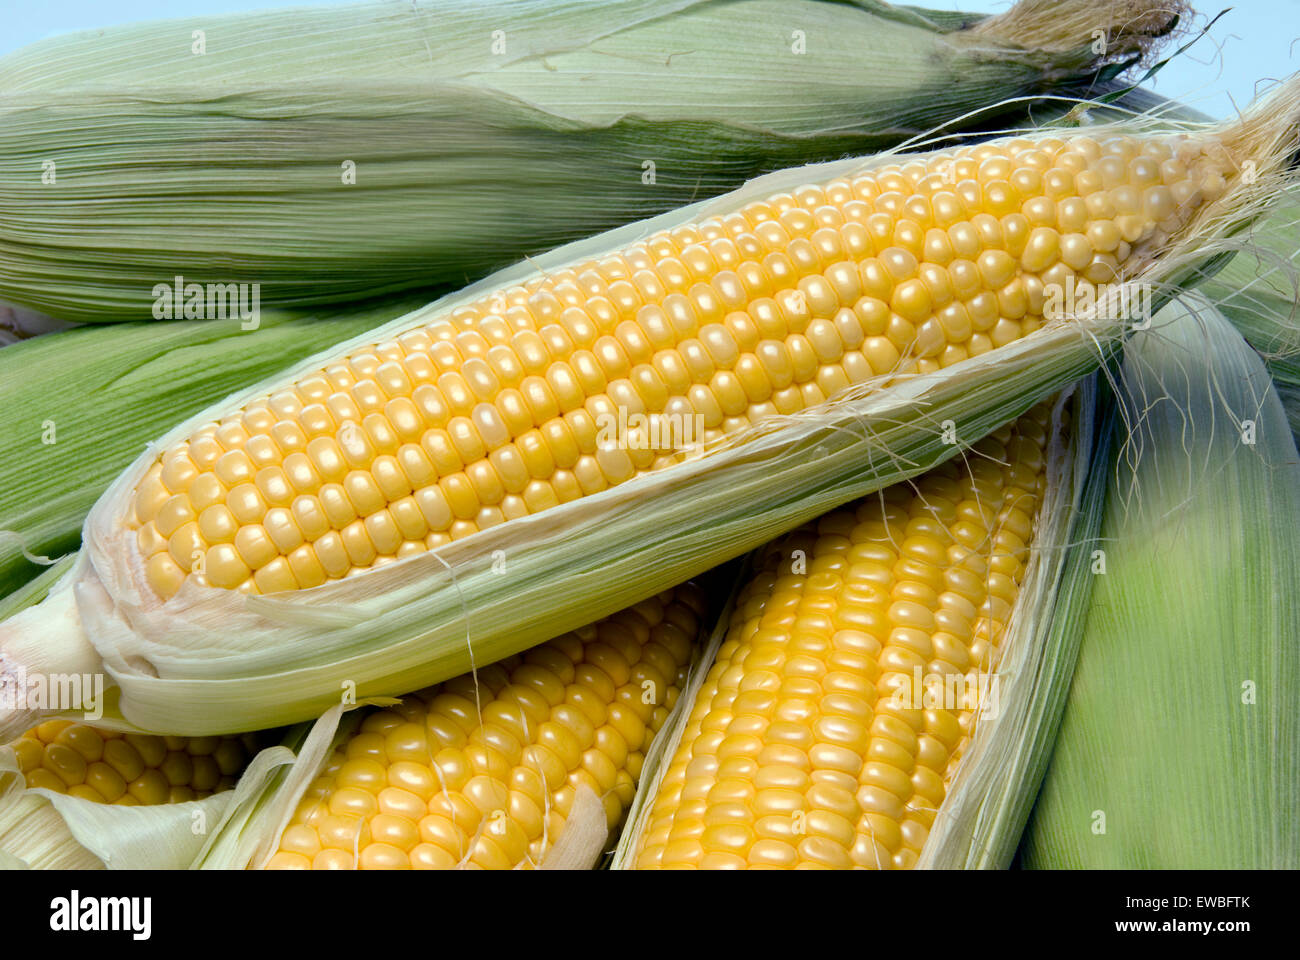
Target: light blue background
1257	39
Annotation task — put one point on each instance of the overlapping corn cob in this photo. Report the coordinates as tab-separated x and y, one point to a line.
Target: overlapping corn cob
73	795
528	762
105	766
806	745
485	770
497	411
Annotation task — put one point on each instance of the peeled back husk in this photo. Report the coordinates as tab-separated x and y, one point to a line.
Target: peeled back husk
336	153
1180	743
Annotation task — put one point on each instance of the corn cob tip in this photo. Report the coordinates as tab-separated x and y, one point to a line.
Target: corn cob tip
1268	132
1257	157
1115	31
105	766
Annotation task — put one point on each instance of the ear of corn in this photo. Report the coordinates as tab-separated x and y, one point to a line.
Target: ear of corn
528	762
73	795
77	827
104	766
84	402
1180	742
375	493
886	690
460	135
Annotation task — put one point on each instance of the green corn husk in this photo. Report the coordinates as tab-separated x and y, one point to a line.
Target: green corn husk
212	660
82	403
1180	743
480	132
1259	292
43	830
979	823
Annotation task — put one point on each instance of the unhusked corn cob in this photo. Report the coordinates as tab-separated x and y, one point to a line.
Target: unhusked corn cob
106	766
486	152
1179	744
806	746
497	411
484	770
1257	293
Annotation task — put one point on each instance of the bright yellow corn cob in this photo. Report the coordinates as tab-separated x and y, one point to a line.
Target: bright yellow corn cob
484	770
457	426
807	746
106	766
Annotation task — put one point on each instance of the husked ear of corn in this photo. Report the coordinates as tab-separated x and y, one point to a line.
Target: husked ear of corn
1180	742
570	436
76	796
456	136
82	404
886	686
528	762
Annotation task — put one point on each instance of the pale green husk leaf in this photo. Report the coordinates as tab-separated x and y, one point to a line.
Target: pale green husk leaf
1259	292
1180	743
